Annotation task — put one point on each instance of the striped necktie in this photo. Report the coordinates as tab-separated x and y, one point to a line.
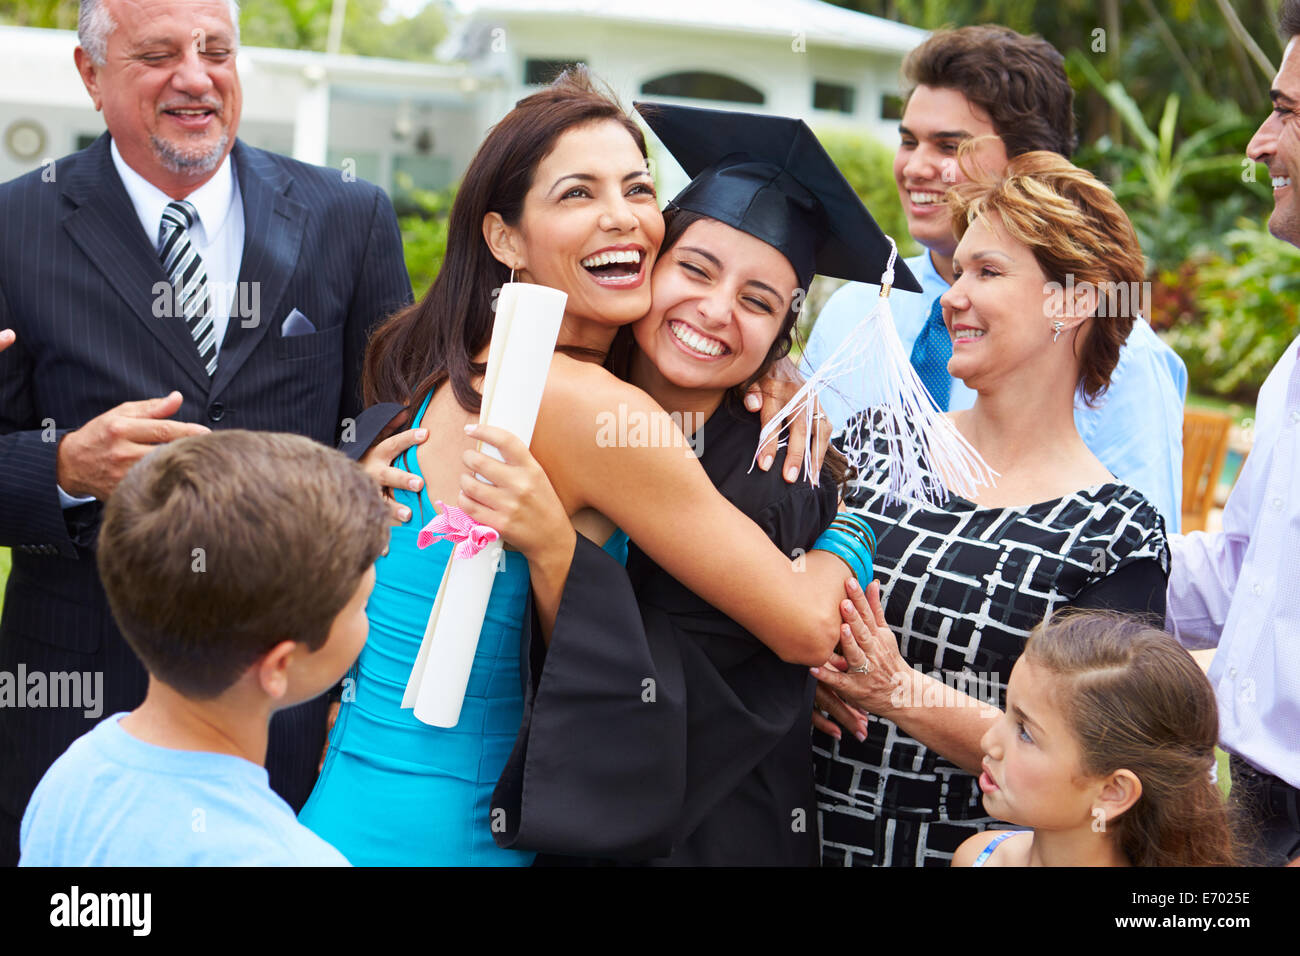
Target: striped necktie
930	356
189	279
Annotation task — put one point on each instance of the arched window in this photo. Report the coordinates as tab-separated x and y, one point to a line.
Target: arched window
701	85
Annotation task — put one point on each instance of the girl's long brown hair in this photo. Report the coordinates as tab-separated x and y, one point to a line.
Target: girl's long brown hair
1137	701
436	339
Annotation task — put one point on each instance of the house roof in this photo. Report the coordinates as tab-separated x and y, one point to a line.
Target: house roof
817	22
59	43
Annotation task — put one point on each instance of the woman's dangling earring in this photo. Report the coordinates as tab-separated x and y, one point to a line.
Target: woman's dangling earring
1057	328
512	273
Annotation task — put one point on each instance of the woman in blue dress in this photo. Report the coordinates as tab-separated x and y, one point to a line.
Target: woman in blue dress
392	790
559	194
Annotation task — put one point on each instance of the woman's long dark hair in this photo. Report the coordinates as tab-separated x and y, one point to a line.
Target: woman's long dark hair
436	339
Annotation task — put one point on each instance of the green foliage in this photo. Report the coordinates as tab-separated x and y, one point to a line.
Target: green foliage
869	167
50	14
1156	179
1154	46
290	24
1247	313
422	215
304	25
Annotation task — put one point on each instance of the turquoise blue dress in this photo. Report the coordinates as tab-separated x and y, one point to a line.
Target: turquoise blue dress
395	791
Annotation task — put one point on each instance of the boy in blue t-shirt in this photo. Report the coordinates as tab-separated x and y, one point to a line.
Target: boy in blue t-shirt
238	565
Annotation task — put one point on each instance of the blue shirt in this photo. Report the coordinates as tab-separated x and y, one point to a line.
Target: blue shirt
1136	430
114	800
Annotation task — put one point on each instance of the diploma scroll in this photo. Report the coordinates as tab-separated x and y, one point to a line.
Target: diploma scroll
523	340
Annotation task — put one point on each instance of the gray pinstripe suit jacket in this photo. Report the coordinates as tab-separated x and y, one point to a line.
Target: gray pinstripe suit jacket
77	283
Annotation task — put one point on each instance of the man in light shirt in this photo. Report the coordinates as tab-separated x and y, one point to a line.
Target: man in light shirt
989	81
164	281
1238	589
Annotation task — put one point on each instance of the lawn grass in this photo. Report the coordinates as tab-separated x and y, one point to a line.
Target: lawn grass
1225	781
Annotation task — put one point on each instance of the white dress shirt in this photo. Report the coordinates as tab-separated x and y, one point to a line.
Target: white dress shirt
218	237
1239	589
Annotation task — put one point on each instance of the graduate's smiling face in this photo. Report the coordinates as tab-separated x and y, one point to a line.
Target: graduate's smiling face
590	226
721	297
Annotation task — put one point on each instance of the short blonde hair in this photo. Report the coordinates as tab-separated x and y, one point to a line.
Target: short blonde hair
1078	233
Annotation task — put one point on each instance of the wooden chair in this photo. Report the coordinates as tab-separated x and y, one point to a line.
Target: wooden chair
1205	447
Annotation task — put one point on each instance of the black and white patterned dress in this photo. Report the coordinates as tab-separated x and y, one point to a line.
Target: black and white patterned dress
962	588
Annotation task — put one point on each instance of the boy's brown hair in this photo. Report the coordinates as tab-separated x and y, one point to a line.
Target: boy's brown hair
1018	80
217	547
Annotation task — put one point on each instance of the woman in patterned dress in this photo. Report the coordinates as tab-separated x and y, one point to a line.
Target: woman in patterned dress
1033	317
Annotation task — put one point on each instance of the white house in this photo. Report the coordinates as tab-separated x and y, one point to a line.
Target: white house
387	116
395	119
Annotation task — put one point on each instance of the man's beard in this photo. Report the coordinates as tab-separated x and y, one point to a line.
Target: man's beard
189	162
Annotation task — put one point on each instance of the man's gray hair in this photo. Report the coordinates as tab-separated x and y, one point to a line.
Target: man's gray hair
94	24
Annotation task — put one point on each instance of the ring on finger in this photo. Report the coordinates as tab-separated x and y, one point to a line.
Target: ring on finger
863	668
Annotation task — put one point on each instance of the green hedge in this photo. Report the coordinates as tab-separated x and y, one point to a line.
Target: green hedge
1236	313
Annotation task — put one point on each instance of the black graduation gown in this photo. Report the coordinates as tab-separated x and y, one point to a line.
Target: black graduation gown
656	729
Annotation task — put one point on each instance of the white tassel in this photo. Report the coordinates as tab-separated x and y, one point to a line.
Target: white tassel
929	457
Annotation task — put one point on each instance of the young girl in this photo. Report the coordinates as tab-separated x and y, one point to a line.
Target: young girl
1105	750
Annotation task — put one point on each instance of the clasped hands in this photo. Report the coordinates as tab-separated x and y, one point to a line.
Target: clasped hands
866	674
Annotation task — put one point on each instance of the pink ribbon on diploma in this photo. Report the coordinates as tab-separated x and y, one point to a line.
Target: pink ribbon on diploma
454	525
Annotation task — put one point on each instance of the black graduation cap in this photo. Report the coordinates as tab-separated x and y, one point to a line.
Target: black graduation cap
769	176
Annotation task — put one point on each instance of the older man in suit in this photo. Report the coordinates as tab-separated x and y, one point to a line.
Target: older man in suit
166	259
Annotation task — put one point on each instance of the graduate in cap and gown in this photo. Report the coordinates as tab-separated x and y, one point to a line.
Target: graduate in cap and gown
633	663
